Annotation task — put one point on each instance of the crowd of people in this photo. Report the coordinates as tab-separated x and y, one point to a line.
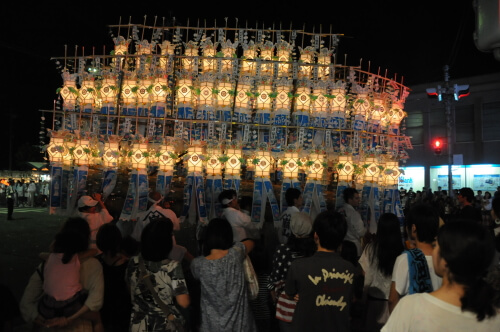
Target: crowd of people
21	193
323	273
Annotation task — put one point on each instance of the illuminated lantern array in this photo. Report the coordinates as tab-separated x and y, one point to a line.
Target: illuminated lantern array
81	152
139	157
56	150
391	173
111	154
195	161
347	169
315	168
263	166
233	163
371	170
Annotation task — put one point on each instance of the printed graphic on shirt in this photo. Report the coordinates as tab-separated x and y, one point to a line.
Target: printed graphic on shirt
325	299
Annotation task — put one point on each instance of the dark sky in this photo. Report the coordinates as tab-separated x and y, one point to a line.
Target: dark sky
410	39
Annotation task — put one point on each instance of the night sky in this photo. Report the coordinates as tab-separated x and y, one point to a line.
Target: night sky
413	40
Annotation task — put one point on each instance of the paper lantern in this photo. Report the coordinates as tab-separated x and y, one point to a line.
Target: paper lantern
396	113
139	155
283	90
56	149
206	87
68	153
361	105
266	54
320	101
338	101
291	168
228	49
315	166
165	161
167	52
195	161
324	59
120	49
263	167
69	91
184	94
303	101
242	99
81	152
190	53
283	52
378	110
209	63
347	169
111	154
264	89
248	65
159	91
143	51
129	89
213	164
224	92
371	170
391	173
108	90
144	86
306	57
233	163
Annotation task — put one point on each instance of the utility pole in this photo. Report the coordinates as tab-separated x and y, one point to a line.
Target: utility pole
448	94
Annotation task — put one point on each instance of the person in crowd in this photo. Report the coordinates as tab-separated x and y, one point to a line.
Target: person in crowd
356	228
323	282
349	252
377	262
465	300
64	295
115	312
91	279
294	201
165	284
300	244
486	209
11	197
241	223
467	210
93	210
19	193
155	211
413	270
478	199
224	297
31	191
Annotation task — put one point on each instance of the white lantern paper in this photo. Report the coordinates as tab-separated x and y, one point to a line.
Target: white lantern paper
139	155
316	168
391	173
267	54
111	154
248	66
165	161
291	168
56	149
233	163
263	167
213	166
195	161
81	152
372	170
347	170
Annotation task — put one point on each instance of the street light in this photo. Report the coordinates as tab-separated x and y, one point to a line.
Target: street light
437	146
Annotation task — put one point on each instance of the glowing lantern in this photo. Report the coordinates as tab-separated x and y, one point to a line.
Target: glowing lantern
283	52
315	166
206	87
264	89
56	149
361	105
167	52
233	163
69	91
391	173
244	90
81	152
143	61
213	165
345	169
291	168
139	157
306	58
108	88
225	92
371	170
229	51
324	59
283	89
144	87
378	110
195	161
129	89
396	113
338	101
248	66
184	94
159	90
165	160
87	93
267	54
120	49
189	61
303	101
209	63
68	153
111	154
263	167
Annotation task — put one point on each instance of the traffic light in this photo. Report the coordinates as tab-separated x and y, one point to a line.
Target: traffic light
437	146
433	92
460	91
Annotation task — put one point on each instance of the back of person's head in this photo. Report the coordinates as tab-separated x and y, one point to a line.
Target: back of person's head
349	252
388	243
109	239
467	193
130	246
426	220
468	250
292	194
69	242
219	235
349	193
78	224
156	239
331	228
155	197
300	224
226	196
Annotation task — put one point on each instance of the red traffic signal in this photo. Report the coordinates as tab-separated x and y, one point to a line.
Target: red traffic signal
437	146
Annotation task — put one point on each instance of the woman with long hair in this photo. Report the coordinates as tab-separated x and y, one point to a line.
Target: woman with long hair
377	262
466	299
